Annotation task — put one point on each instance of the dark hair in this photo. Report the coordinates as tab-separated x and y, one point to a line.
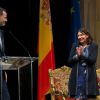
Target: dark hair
85	31
1	10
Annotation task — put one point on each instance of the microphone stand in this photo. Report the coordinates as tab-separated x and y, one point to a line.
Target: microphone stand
31	79
31	61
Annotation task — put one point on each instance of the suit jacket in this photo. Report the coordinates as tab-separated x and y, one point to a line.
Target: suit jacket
5	93
2	47
1	43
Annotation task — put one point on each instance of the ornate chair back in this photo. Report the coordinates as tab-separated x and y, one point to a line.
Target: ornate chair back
98	79
59	78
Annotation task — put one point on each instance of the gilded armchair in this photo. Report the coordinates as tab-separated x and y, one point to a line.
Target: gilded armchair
59	82
98	78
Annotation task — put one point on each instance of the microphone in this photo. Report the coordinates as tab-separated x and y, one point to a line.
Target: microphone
20	43
25	49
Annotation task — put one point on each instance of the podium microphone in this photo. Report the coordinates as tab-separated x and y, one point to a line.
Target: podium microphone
20	43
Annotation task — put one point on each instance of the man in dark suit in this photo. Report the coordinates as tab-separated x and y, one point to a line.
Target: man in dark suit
4	94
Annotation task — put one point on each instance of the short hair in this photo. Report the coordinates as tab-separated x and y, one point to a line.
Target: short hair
1	10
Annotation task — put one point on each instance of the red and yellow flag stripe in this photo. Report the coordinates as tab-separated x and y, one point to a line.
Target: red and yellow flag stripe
46	50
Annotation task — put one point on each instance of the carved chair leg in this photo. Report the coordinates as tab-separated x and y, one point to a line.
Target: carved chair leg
64	98
52	97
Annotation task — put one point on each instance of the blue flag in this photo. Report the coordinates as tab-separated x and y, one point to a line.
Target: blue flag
75	20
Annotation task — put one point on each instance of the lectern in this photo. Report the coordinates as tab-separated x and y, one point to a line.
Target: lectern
23	66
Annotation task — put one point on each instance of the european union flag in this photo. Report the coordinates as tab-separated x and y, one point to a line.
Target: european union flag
75	20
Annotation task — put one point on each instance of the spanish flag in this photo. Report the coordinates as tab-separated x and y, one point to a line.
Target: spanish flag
46	50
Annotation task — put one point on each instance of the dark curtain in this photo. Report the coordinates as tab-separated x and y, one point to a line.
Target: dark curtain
23	22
